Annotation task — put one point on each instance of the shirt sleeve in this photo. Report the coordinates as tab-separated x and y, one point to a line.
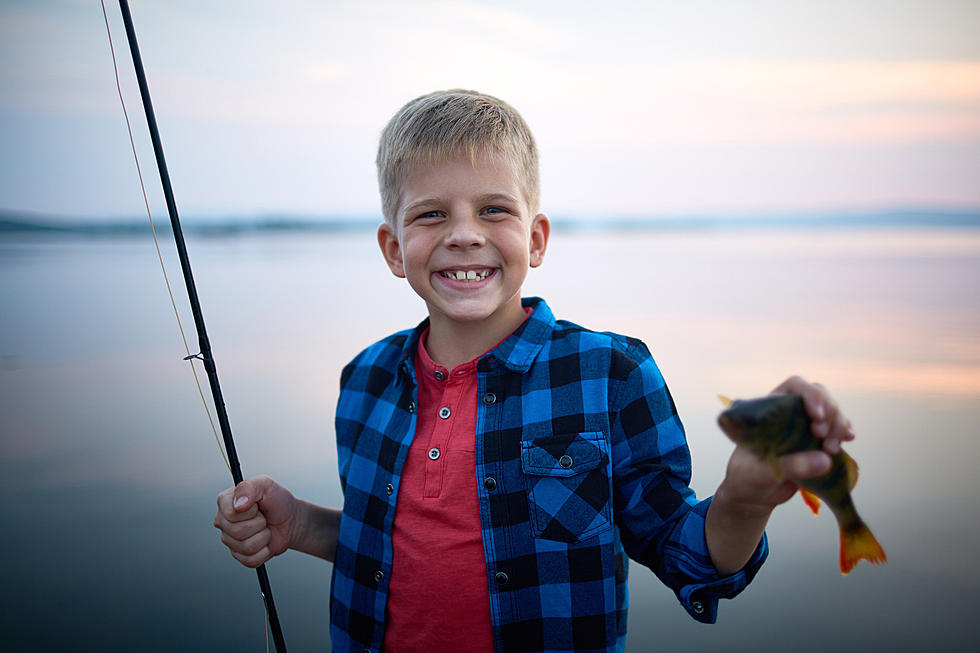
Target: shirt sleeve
661	521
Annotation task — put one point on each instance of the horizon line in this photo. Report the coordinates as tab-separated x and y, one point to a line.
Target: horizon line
14	221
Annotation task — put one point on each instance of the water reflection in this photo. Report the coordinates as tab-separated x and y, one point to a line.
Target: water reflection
109	469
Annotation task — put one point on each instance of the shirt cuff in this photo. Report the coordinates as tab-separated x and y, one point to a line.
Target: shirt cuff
701	599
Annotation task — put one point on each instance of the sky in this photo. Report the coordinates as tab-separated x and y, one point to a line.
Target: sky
639	108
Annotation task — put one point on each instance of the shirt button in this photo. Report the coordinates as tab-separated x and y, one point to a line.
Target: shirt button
411	406
489	398
698	607
389	489
501	578
490	483
434	453
379	576
444	412
439	375
565	461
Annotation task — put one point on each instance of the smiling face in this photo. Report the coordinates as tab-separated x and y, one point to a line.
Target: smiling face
464	237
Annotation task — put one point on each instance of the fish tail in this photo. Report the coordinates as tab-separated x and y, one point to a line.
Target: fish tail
857	543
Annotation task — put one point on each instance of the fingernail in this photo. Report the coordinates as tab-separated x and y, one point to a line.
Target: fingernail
832	445
241	501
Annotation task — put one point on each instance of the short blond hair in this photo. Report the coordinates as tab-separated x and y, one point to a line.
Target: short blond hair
452	123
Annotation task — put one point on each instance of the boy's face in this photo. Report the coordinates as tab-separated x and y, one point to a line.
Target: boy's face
464	238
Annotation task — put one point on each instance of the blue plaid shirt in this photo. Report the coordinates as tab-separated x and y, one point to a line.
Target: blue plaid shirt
581	460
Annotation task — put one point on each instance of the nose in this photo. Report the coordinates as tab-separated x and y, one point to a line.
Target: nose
464	232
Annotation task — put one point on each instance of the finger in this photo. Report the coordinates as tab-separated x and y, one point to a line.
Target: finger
225	500
831	446
819	405
250	492
249	545
827	419
255	560
840	426
228	514
241	531
804	465
813	395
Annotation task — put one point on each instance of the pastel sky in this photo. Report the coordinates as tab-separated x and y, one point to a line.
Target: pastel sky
639	108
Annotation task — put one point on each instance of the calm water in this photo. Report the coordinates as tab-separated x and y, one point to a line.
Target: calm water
108	468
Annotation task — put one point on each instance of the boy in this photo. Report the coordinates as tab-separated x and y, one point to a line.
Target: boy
526	456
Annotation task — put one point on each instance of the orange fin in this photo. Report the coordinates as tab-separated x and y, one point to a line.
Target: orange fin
852	470
811	500
859	544
725	401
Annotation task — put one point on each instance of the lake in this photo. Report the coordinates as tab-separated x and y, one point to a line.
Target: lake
109	469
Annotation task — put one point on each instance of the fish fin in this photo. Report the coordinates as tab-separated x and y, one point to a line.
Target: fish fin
811	500
859	544
852	470
725	401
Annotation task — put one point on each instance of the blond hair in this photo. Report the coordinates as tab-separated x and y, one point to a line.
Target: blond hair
452	123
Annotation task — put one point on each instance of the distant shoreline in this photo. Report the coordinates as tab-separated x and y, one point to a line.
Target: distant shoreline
22	223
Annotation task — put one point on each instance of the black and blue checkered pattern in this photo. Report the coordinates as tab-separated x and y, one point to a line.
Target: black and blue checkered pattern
581	460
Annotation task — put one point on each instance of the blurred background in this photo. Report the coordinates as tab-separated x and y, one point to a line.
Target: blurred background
755	189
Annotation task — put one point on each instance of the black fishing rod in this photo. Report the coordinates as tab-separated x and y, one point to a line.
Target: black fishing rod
205	355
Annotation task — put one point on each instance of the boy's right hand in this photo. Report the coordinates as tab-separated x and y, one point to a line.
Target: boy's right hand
255	518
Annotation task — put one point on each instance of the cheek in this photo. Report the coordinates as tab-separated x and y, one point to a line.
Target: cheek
515	242
415	251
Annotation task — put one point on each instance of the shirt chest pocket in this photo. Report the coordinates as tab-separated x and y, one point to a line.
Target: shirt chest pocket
568	485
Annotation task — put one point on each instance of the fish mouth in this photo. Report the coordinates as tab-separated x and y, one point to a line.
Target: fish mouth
735	425
727	425
467	275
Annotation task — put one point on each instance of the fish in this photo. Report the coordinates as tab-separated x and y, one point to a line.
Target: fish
778	424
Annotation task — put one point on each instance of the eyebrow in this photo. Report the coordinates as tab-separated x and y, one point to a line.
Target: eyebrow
497	197
419	203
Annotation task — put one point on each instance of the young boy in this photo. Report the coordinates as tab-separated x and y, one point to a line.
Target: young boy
498	465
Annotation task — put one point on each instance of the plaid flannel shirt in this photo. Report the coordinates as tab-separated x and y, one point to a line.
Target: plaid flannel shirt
580	460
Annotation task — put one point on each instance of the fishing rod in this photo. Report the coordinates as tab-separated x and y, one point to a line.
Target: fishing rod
205	352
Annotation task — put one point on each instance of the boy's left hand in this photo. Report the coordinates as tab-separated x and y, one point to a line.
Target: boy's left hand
751	490
828	421
749	480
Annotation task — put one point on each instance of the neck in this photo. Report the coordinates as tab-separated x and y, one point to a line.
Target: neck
451	343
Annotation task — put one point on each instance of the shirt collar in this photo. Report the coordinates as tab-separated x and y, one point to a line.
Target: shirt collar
516	353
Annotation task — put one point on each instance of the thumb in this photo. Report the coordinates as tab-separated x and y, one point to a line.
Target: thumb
804	465
250	491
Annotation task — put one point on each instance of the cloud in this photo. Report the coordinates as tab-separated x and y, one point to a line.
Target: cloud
767	101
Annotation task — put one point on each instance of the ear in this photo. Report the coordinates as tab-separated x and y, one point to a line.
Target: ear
391	249
540	230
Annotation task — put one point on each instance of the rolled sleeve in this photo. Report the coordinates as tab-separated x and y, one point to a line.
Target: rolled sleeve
693	576
660	519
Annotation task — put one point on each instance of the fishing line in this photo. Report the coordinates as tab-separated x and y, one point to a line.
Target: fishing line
205	355
163	268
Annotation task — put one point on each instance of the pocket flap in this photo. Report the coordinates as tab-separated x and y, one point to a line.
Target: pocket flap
563	455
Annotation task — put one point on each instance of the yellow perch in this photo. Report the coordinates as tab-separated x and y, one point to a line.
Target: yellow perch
777	425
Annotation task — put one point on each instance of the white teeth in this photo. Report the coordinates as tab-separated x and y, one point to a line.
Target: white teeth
467	275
